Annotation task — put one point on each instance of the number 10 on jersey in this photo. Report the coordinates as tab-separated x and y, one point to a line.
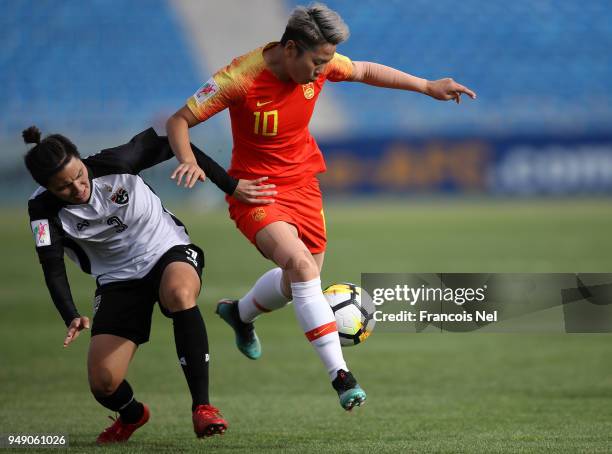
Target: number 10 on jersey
269	123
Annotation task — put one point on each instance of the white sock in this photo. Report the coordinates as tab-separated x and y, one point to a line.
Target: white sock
265	296
317	320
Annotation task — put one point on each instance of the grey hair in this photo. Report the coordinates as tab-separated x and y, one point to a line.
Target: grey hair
314	25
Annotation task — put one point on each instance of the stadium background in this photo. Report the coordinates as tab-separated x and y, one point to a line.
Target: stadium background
517	181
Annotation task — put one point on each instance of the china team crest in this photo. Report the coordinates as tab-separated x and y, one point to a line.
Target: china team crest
309	91
258	214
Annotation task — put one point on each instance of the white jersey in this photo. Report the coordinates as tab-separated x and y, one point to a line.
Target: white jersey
123	230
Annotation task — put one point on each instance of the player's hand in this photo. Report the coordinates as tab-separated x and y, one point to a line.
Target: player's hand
447	89
191	171
254	191
76	326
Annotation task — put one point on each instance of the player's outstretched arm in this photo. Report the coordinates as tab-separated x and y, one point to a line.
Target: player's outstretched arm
56	279
387	77
177	128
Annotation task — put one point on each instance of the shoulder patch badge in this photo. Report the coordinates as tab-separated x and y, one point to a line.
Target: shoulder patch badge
206	91
40	229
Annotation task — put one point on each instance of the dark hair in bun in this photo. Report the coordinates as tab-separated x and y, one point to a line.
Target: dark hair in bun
31	135
48	156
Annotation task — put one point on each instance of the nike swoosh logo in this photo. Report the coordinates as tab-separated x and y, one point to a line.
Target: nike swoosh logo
259	103
318	333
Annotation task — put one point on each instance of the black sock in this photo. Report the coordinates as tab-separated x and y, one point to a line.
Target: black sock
192	350
123	402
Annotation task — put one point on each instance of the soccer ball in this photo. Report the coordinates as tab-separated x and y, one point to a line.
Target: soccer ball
354	312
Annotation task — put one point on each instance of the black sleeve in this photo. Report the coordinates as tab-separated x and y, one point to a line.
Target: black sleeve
48	238
148	149
145	150
59	288
215	172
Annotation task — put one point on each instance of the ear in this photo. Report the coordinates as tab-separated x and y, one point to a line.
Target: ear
291	49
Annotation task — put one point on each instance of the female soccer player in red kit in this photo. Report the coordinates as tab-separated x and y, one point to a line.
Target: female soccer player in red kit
271	94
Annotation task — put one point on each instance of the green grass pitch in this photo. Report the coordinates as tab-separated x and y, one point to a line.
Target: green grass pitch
426	392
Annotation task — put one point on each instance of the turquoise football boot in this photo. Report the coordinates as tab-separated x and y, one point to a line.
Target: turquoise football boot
246	338
350	393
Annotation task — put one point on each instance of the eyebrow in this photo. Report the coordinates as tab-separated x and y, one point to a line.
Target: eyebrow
322	61
75	178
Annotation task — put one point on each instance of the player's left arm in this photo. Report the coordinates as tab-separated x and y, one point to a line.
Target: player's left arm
384	76
146	150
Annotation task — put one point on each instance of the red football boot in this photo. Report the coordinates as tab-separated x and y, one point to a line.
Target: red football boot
120	432
208	421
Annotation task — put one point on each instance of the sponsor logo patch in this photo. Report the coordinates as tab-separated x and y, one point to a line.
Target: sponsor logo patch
192	256
40	229
321	331
206	91
82	225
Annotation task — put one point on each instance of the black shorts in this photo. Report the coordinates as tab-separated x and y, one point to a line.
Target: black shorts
125	308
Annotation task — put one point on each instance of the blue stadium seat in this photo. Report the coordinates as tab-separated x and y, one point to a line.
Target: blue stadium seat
107	65
536	65
102	65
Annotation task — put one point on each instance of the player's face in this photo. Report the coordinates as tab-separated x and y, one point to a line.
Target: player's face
71	184
307	66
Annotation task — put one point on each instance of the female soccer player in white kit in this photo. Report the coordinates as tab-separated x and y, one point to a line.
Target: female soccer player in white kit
102	214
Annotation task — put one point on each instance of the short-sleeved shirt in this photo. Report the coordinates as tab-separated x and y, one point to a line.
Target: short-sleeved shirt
269	117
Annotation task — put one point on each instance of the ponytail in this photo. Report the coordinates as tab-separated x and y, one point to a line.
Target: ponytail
48	156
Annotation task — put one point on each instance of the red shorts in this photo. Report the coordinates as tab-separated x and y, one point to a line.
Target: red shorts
301	207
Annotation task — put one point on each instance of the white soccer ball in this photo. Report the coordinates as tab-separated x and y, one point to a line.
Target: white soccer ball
354	312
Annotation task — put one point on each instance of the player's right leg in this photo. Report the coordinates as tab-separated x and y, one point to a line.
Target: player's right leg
107	363
303	208
178	290
280	242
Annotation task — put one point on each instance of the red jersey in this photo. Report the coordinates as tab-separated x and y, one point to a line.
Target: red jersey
269	117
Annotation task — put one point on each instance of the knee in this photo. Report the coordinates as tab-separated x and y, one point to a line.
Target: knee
301	266
102	383
179	299
286	285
